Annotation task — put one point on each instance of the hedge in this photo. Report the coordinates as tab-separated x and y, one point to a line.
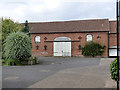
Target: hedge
113	69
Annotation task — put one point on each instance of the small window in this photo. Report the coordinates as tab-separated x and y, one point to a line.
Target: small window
89	38
98	37
37	47
45	38
37	39
45	47
79	37
79	47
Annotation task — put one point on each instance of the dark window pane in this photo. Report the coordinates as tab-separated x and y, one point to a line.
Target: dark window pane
37	47
45	47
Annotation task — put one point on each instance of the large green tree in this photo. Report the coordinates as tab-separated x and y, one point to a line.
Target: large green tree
17	46
8	26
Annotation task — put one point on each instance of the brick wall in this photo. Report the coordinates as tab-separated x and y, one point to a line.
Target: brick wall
74	46
113	39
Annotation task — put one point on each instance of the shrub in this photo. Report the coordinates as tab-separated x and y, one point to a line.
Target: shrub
17	46
93	49
34	60
113	69
1	61
12	62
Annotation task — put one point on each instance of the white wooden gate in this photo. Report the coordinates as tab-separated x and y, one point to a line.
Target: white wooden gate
62	46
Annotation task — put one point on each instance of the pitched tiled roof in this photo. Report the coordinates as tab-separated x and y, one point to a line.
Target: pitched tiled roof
70	26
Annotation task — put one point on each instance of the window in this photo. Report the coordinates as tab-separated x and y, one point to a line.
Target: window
45	38
63	38
37	39
45	47
89	38
79	37
98	37
79	47
37	47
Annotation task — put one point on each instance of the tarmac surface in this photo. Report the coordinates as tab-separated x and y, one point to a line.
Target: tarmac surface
60	72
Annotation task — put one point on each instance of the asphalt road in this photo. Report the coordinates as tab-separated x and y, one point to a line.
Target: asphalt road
26	76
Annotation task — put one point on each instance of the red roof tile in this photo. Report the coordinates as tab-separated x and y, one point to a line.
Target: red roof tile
70	26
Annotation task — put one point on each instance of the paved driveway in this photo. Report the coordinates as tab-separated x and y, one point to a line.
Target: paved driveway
59	72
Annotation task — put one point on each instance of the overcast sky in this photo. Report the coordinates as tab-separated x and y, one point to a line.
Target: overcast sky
57	10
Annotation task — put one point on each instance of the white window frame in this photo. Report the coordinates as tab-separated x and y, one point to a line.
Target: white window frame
37	39
89	37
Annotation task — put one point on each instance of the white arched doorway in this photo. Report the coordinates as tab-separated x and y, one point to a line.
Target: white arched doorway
62	46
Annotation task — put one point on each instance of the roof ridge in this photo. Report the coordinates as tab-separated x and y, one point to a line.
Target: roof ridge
67	21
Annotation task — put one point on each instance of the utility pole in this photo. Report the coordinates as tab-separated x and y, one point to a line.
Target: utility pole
117	11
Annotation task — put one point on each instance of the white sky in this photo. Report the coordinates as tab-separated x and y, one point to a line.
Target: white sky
57	10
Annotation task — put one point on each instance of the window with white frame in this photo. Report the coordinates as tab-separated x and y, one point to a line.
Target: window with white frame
89	38
37	39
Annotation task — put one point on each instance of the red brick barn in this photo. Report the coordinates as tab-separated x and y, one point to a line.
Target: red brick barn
66	38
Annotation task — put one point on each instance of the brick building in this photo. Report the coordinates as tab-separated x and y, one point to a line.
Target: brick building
66	38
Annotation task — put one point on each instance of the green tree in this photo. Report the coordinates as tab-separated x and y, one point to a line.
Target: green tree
8	26
0	29
0	37
26	27
17	46
93	49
